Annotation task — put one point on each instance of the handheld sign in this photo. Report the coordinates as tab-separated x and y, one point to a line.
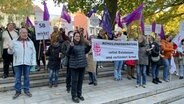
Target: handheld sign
42	30
94	21
158	28
147	29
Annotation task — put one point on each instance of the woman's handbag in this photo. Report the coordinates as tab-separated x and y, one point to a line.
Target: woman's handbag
155	59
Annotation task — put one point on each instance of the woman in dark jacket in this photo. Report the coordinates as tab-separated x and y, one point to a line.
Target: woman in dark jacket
155	59
55	52
77	64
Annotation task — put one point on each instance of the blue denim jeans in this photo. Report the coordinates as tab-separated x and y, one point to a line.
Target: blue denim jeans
181	70
155	70
141	74
167	63
19	70
117	69
53	76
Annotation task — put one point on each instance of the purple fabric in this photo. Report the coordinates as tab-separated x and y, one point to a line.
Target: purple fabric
118	19
46	14
135	15
162	33
153	26
93	10
28	22
142	25
105	22
65	15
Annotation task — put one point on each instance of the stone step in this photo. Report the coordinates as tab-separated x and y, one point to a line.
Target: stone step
44	75
162	98
104	64
107	91
109	64
181	101
44	82
151	89
37	72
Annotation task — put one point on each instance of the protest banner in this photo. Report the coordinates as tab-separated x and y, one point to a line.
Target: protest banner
109	50
42	30
147	29
158	28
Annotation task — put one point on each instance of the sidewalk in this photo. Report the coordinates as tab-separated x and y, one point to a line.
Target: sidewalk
107	90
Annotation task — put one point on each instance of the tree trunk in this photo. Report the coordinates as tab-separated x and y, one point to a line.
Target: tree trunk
112	6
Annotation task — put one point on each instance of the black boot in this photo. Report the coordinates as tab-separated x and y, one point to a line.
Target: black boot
75	99
180	77
154	81
68	90
157	79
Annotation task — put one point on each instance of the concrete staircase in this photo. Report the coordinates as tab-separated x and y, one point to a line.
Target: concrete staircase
108	91
168	92
38	79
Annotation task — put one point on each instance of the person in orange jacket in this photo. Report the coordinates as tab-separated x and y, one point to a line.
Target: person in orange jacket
167	48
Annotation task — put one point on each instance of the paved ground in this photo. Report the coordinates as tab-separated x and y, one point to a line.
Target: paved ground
106	90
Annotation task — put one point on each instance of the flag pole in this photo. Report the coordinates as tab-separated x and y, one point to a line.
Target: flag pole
39	50
44	51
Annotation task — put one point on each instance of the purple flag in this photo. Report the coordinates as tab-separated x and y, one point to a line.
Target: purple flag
28	22
135	15
162	33
93	10
118	19
153	26
65	15
105	22
142	25
46	14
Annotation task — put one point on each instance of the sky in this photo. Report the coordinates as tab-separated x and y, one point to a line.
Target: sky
53	10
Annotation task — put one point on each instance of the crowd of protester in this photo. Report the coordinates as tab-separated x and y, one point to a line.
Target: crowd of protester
73	51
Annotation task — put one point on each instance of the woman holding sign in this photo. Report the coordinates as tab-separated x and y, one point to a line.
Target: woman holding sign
77	53
118	64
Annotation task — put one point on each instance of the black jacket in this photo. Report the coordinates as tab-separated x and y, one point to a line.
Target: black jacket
54	60
77	54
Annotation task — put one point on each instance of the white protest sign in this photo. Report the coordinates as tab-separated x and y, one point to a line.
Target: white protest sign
177	39
109	50
181	31
158	28
94	20
42	30
147	29
67	26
